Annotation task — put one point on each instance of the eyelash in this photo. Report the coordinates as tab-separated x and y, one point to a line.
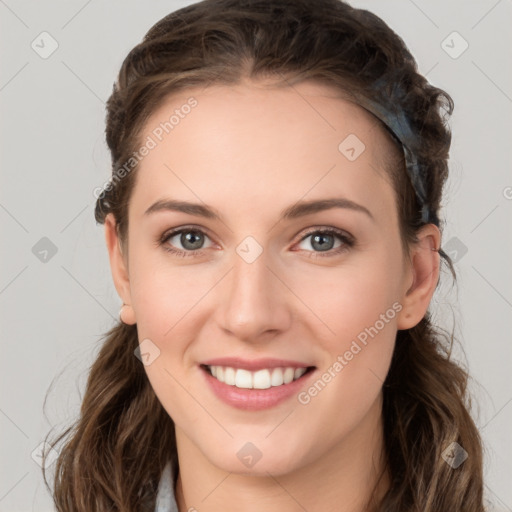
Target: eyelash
347	240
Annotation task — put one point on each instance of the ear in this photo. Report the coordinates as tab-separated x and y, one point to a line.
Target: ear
118	266
423	277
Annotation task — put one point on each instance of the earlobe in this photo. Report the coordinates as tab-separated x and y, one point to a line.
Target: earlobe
425	270
119	268
127	315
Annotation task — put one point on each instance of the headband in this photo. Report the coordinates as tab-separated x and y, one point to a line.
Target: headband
400	127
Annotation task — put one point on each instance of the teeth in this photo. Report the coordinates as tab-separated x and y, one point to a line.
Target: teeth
229	375
243	379
261	379
299	372
288	375
277	377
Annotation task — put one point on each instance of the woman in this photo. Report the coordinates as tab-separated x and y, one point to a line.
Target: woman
274	233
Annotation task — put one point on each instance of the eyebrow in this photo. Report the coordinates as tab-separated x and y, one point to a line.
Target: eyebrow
294	211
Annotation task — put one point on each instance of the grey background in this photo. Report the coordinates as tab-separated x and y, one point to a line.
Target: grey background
55	307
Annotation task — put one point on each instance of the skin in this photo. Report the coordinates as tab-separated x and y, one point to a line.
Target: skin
249	151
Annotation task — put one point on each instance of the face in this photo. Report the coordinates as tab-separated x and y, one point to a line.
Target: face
266	289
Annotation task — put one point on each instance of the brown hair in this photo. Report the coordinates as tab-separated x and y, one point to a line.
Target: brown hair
114	454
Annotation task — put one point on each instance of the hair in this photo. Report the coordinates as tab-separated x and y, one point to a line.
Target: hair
115	452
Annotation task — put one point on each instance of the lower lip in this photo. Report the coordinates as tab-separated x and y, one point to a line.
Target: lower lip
255	399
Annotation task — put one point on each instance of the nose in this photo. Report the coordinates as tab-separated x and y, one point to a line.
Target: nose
255	303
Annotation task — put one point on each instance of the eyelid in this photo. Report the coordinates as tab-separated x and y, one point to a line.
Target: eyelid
330	230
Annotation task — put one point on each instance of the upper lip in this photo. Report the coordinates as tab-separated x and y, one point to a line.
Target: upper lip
254	364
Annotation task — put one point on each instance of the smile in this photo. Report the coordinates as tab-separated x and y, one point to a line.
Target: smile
261	379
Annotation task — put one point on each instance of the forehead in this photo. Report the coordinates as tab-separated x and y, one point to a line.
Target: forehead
245	144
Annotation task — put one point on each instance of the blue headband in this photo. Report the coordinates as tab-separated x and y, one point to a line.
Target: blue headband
399	125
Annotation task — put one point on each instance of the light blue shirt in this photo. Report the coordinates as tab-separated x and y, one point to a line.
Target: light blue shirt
165	499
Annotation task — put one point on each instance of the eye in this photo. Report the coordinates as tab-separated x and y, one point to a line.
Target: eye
192	241
323	240
190	238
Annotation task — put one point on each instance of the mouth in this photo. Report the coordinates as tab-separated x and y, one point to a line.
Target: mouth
264	378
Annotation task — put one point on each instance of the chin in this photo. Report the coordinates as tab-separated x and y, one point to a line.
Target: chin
257	458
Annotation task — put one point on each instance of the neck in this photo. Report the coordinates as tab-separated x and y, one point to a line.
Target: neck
343	479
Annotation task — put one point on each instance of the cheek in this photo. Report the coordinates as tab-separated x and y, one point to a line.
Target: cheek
361	320
351	377
352	296
163	292
358	306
